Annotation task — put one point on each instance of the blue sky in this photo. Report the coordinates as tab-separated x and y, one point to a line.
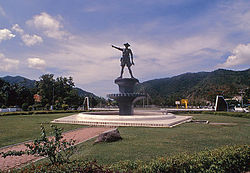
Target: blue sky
73	38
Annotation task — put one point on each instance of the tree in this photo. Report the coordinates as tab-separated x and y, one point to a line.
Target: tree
64	88
57	91
45	88
4	92
24	95
14	95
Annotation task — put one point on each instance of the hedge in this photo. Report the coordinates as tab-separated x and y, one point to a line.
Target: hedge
231	114
39	112
230	159
73	167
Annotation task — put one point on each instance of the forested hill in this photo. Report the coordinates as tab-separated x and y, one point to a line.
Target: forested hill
20	80
31	84
199	87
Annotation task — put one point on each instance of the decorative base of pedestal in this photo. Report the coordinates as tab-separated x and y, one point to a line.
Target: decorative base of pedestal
126	102
126	97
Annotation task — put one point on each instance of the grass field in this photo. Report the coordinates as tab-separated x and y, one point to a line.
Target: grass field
148	143
19	128
138	143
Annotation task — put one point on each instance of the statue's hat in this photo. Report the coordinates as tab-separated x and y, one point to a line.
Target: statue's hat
126	44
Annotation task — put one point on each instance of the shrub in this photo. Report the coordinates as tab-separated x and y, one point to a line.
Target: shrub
30	108
65	106
58	106
47	106
74	166
39	112
231	114
4	107
37	106
25	106
55	148
230	159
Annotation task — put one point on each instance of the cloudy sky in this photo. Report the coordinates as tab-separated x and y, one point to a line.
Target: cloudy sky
167	37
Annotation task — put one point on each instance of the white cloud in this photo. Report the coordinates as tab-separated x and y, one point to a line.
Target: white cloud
36	63
240	56
8	64
29	40
50	26
17	29
90	59
5	34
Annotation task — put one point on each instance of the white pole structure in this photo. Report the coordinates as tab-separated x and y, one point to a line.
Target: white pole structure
86	104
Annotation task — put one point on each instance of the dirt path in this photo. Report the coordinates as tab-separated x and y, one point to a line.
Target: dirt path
79	135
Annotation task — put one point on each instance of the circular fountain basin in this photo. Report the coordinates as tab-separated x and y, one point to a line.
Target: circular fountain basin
139	119
114	117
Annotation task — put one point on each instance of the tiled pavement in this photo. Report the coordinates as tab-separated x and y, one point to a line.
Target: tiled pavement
79	135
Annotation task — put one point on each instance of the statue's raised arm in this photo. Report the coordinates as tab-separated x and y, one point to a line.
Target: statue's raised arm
117	48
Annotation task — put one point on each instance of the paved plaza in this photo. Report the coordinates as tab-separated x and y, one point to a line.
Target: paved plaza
79	135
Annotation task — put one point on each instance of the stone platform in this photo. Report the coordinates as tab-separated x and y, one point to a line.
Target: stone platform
112	118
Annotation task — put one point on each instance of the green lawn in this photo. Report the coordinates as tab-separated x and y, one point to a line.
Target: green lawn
148	143
19	128
138	143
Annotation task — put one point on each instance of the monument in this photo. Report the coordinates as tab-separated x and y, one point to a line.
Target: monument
126	99
221	104
126	96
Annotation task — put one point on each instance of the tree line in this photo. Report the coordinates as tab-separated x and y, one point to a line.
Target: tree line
59	93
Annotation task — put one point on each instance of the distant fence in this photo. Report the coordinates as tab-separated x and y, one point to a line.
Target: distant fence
10	110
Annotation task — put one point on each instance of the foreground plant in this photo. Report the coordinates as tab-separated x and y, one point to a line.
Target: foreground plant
57	149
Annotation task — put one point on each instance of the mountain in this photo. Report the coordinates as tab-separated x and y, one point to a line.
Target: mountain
198	88
31	84
20	80
83	93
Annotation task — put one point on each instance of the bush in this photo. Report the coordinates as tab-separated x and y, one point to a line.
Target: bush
65	106
57	149
58	106
30	108
47	106
231	114
40	112
25	106
4	107
75	166
37	106
230	159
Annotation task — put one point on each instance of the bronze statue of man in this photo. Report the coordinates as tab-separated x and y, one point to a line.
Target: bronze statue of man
125	59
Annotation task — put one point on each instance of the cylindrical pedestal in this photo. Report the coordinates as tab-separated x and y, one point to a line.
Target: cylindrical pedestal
126	106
